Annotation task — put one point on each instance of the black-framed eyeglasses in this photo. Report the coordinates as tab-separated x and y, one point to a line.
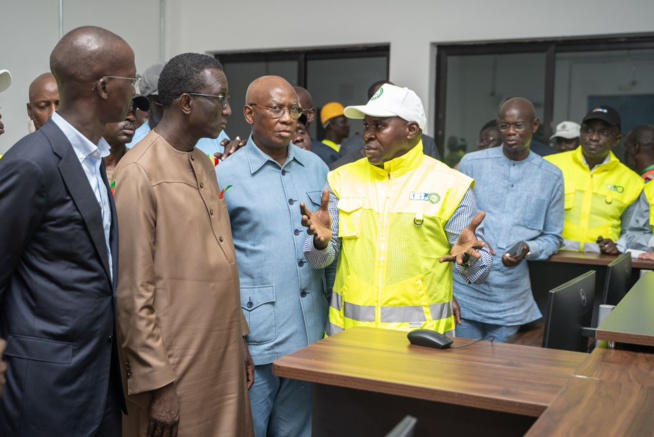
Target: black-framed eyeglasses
277	111
223	99
135	80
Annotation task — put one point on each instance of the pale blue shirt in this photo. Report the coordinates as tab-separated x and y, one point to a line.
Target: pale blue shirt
90	157
523	201
284	300
637	235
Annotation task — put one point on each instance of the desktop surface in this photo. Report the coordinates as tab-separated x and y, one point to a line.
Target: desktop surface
491	376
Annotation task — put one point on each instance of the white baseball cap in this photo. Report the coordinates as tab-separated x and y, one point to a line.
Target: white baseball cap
391	101
566	129
5	80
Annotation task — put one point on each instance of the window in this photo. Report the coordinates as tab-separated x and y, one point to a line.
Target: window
342	75
564	80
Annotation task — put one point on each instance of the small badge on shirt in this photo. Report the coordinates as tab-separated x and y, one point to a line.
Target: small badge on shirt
113	187
427	197
616	188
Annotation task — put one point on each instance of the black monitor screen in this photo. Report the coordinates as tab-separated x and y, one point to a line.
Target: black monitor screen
618	277
570	309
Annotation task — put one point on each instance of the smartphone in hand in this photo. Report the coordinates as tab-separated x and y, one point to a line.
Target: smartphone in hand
516	250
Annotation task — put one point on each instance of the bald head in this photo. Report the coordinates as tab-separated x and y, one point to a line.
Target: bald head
643	135
271	131
639	147
86	54
304	97
263	87
517	123
95	74
524	106
43	99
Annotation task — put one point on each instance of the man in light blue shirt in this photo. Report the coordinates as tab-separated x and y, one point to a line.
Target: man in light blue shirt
523	197
284	300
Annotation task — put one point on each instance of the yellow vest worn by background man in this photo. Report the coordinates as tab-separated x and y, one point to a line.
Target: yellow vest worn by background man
594	202
391	224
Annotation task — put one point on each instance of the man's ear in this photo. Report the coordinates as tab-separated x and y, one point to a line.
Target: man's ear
29	111
101	89
535	125
186	104
248	113
412	130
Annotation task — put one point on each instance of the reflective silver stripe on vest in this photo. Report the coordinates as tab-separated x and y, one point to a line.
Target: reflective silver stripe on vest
336	301
333	329
359	313
402	314
441	310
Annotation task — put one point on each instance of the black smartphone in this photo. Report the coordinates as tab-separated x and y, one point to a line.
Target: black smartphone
516	250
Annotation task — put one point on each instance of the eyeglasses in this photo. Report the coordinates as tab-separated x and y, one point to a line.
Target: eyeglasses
277	111
135	80
519	127
222	98
487	139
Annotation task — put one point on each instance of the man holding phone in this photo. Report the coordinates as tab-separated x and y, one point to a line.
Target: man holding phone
523	197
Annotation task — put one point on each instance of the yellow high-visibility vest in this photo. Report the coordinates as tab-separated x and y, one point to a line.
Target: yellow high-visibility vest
391	224
649	194
595	201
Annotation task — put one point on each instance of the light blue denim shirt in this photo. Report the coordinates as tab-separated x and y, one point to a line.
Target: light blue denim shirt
283	298
523	201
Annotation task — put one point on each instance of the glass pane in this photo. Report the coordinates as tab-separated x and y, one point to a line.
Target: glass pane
477	84
239	76
345	81
623	79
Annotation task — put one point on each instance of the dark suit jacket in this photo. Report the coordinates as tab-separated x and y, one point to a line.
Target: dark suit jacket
56	296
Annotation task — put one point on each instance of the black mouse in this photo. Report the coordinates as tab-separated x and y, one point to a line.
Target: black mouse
429	338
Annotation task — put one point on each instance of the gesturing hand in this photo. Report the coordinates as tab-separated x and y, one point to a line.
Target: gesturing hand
467	246
319	223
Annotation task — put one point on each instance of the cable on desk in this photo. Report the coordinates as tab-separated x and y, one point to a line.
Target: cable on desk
492	337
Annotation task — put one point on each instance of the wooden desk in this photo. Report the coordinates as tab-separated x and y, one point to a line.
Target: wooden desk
632	321
367	379
612	393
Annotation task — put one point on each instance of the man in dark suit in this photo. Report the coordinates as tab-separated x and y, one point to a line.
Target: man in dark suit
59	253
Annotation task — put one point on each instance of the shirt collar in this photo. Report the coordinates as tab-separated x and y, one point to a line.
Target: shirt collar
609	162
257	158
403	164
82	146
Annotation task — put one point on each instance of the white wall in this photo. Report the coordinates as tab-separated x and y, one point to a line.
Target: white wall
411	27
29	30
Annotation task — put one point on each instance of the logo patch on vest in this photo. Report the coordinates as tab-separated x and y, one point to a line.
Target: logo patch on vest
616	188
427	197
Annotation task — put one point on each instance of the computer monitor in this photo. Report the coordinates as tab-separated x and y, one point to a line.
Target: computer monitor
618	278
570	308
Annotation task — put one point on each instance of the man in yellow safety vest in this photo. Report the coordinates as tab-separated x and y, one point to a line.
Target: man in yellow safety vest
392	220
